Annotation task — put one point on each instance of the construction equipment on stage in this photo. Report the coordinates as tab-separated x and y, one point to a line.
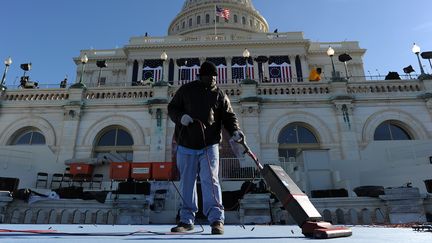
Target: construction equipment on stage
295	201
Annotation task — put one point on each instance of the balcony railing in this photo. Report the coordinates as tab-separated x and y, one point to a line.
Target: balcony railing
242	169
228	82
116	93
36	95
280	90
294	89
388	86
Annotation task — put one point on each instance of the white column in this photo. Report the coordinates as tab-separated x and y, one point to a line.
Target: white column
293	68
266	73
129	71
176	72
71	123
229	69
158	133
250	120
165	70
305	67
140	70
256	71
347	130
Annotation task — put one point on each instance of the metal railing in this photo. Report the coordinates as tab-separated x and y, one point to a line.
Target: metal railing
231	82
236	169
243	169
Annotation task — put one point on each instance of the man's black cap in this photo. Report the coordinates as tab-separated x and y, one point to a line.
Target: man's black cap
208	69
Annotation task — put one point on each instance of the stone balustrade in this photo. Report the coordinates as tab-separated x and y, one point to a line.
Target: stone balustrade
140	40
384	87
349	210
77	211
119	93
64	211
231	91
36	95
352	210
293	89
320	90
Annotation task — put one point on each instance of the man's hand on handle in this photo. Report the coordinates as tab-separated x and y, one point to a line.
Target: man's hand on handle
238	136
186	120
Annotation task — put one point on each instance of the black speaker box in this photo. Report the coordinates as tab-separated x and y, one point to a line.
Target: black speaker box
8	184
132	187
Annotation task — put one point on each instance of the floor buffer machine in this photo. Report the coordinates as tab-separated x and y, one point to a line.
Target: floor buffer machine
293	199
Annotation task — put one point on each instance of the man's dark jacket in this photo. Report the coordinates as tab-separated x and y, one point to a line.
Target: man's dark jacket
210	105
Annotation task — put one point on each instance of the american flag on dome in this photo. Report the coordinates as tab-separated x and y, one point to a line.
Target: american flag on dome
239	72
223	12
280	73
153	73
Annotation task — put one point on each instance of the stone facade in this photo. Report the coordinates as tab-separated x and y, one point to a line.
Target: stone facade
342	114
72	119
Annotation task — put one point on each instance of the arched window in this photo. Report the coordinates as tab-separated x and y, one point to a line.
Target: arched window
190	22
28	136
235	18
243	20
207	18
114	140
391	130
294	138
198	20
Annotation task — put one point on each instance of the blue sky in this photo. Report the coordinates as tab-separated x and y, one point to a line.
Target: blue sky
49	33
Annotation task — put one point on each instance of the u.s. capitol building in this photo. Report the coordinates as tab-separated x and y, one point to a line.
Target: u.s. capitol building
328	127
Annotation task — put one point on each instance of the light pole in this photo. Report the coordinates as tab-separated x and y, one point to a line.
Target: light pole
246	55
80	85
7	62
423	75
163	57
330	53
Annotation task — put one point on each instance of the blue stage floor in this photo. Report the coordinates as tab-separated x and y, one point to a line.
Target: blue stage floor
233	233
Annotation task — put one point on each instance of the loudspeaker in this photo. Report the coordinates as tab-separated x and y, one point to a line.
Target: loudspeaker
426	55
344	57
26	66
101	64
8	184
408	69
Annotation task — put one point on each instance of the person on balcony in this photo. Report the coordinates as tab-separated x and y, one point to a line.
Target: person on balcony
63	83
315	74
199	109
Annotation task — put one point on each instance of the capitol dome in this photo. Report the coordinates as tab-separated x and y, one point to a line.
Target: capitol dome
197	17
